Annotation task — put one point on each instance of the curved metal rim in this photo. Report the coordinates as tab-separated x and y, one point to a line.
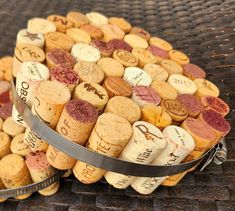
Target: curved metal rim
90	157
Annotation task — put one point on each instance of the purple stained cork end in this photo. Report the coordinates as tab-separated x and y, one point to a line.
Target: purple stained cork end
37	160
81	111
117	44
158	52
103	47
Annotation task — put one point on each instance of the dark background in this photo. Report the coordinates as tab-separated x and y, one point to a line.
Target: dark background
204	30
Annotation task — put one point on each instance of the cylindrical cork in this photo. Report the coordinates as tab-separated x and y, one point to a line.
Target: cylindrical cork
2	186
204	138
18	146
24	53
59	56
65	75
76	122
5	142
40	169
11	127
48	105
145	144
14	173
109	136
179	144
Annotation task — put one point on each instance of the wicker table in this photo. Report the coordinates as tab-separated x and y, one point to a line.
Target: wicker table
205	30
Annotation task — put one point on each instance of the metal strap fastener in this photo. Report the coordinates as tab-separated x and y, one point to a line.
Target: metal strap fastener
90	157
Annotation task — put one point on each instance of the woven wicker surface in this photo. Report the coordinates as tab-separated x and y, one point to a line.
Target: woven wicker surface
205	30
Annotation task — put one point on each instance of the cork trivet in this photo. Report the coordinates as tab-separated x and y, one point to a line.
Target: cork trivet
40	25
61	22
6	67
78	19
5	142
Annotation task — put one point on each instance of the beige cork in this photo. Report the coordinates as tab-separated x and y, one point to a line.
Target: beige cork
2	186
11	127
5	142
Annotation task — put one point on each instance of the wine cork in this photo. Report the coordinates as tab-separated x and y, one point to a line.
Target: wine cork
121	23
17	117
109	136
137	77
144	56
78	35
116	86
5	97
84	52
156	115
215	104
2	186
24	53
178	57
11	127
1	123
14	173
6	67
93	31
145	95
193	104
6	111
40	169
204	138
58	40
62	23
126	58
76	123
158	53
65	76
158	42
18	146
171	67
78	19
48	105
157	72
179	144
135	41
117	44
216	122
58	56
205	87
165	90
111	67
89	72
182	84
145	144
111	32
193	71
140	32
26	37
177	110
4	144
40	25
103	47
92	93
124	107
97	19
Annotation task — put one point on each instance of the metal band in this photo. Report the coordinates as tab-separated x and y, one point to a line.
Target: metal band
95	159
6	193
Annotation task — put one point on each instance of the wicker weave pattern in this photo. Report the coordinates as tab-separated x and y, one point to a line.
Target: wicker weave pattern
205	30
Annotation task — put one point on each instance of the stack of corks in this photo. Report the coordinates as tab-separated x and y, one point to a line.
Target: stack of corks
105	84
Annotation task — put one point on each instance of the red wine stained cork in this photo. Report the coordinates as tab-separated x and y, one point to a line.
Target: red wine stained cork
145	145
109	136
145	95
40	169
62	23
5	97
6	111
58	56
140	32
65	75
117	44
204	138
179	144
124	107
103	47
5	142
2	186
216	122
159	53
26	37
18	146
215	104
14	173
89	72
78	19
76	123
92	93
193	104
24	53
160	43
48	105
94	31
116	86
193	71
